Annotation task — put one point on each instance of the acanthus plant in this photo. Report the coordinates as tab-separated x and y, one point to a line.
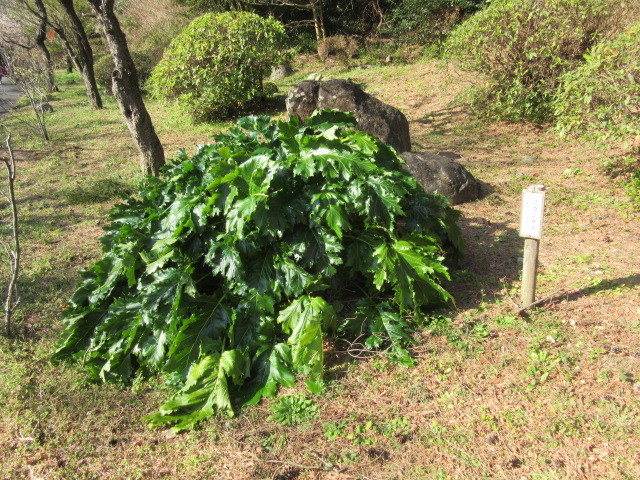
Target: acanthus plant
227	275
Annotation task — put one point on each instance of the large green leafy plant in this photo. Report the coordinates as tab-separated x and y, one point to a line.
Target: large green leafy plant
227	274
216	66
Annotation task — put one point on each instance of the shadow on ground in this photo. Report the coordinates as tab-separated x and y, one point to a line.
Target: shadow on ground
490	261
605	285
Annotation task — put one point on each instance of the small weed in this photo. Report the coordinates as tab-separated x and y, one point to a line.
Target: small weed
544	476
479	331
568	427
437	433
516	418
572	172
584	258
380	364
443	326
627	377
596	353
334	430
362	434
293	409
434	473
604	375
54	161
462	276
541	364
274	442
350	457
505	320
489	420
395	426
600	286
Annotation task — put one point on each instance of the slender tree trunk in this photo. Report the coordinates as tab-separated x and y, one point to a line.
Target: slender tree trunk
41	43
84	54
318	19
11	301
126	90
69	63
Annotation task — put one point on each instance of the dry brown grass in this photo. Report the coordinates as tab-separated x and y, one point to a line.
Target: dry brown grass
342	46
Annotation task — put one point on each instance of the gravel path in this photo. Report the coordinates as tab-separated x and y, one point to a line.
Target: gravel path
9	95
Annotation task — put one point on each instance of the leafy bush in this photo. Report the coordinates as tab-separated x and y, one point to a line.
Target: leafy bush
524	46
104	67
428	22
227	275
601	97
216	66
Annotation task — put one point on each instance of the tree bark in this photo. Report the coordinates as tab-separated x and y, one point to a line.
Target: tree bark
318	19
11	300
41	43
126	90
84	54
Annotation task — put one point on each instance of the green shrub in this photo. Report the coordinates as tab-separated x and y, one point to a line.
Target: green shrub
524	46
104	66
227	274
632	186
428	22
216	66
601	97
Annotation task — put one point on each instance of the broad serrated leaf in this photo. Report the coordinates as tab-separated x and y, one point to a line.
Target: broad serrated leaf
197	329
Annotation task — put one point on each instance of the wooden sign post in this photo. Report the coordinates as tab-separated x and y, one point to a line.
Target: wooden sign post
531	230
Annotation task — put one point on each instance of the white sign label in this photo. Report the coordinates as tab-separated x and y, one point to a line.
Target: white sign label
532	211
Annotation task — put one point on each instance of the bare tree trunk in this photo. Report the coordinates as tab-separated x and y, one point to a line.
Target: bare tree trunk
377	8
126	90
314	5
11	301
84	54
40	42
318	19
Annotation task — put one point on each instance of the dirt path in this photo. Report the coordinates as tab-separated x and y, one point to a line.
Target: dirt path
9	95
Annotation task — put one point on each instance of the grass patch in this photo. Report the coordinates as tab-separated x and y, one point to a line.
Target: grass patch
101	190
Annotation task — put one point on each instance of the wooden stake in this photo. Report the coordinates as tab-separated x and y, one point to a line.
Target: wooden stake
531	229
529	270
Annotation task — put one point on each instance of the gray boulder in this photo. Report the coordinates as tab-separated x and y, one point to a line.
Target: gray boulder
436	173
280	72
373	116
